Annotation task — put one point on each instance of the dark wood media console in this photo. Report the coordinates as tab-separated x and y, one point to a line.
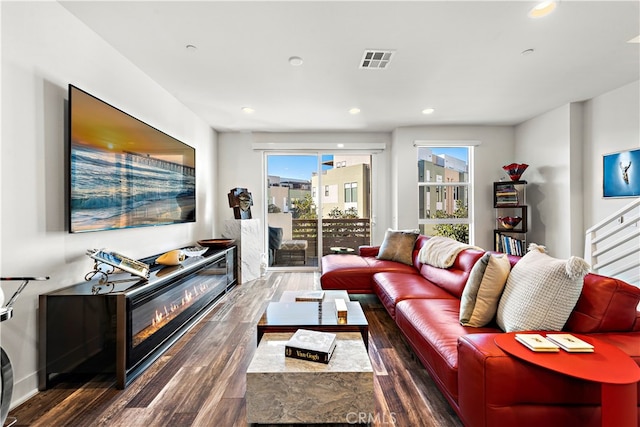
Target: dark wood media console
122	328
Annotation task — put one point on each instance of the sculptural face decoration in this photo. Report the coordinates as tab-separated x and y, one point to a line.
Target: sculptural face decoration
245	201
240	200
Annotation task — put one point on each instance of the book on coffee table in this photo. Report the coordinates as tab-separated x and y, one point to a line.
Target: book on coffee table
310	296
571	344
311	345
537	342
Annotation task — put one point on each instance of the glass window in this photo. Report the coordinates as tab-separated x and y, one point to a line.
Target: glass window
350	192
443	191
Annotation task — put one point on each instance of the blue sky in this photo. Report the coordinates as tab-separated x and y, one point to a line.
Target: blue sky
301	166
297	166
457	152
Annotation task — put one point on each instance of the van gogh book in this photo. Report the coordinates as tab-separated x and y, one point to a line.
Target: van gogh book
311	345
569	343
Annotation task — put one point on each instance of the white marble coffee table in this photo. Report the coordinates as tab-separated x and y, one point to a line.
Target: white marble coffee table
286	390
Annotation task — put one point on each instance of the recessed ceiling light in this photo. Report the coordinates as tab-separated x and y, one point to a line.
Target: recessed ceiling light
248	110
340	145
295	61
354	110
636	39
428	111
191	47
542	9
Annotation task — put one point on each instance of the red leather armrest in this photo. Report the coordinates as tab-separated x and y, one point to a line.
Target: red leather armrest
368	250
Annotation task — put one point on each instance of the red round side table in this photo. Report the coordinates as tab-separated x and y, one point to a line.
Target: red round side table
608	365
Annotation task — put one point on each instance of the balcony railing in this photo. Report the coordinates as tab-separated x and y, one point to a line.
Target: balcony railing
349	233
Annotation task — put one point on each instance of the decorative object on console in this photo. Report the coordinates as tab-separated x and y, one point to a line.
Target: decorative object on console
174	257
216	243
509	222
194	251
515	170
398	245
241	201
541	292
120	261
621	174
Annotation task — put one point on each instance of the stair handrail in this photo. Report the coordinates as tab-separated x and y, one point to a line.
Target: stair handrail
590	251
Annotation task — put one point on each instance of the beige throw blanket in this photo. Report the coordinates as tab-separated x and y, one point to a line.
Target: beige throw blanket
442	251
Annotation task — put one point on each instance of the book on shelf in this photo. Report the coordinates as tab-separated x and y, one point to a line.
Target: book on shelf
310	296
537	342
509	245
506	202
315	346
570	343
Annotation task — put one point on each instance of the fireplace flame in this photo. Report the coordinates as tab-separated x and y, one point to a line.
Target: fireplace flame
168	312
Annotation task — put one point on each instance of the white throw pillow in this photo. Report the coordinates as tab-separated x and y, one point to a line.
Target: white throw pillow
541	292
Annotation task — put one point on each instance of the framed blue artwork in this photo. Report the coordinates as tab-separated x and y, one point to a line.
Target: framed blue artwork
621	174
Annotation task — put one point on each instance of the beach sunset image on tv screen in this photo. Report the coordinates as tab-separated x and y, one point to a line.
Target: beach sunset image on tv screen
123	172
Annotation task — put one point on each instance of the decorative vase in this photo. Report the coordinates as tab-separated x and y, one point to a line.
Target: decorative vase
515	170
509	222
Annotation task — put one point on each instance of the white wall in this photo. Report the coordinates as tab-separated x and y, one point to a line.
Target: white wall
494	151
564	148
44	48
611	124
544	144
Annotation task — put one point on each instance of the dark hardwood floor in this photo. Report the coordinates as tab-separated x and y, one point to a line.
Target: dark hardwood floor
200	381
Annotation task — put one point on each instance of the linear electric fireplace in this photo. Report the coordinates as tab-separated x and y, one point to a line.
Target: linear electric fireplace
122	328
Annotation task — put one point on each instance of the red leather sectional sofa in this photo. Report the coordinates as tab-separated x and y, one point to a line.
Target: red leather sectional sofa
484	385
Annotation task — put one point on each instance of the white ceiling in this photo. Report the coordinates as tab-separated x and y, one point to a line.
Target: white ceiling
462	58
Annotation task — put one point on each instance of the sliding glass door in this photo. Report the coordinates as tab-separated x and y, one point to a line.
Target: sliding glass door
316	204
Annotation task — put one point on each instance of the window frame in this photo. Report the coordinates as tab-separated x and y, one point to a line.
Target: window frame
437	185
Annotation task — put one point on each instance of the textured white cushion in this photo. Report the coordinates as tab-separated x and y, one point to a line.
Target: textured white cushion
470	292
541	292
493	282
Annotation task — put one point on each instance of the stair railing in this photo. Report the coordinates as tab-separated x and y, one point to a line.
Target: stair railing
612	246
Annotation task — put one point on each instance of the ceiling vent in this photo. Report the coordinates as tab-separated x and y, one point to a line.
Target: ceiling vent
376	59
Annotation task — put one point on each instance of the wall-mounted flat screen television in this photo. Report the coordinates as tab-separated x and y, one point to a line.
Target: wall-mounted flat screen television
124	173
